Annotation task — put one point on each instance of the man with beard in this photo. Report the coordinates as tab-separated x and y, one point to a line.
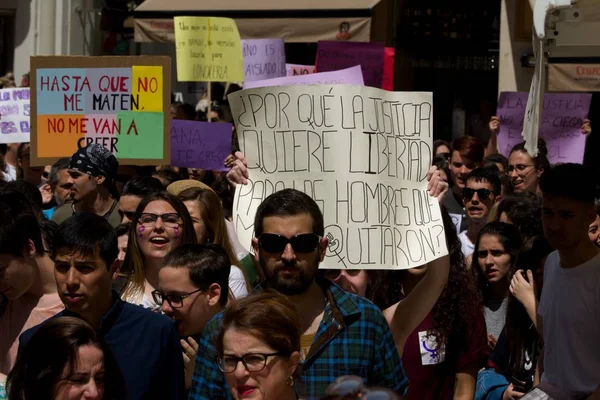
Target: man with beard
570	303
466	155
343	334
92	172
481	192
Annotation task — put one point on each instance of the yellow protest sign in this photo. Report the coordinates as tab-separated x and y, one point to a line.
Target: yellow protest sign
147	82
208	50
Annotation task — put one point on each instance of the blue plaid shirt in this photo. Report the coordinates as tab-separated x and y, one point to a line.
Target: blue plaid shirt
353	339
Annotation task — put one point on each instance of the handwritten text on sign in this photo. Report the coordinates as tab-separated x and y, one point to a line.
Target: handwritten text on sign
14	115
361	153
263	59
208	50
349	76
119	108
201	145
560	125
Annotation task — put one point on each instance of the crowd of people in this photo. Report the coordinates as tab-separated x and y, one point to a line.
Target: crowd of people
125	282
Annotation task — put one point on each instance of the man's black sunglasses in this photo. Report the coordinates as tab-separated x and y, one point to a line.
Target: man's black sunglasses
304	243
482	193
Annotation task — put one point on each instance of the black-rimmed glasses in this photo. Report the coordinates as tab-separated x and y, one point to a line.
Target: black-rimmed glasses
174	300
253	362
171	220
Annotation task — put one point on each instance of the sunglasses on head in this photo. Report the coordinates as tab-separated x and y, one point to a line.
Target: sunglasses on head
483	194
304	243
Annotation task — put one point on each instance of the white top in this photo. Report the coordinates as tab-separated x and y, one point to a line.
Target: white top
10	174
237	283
570	311
465	244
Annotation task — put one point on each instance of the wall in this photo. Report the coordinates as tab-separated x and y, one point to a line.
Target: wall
511	76
68	27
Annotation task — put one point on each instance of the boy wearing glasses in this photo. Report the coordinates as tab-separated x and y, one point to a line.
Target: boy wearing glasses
482	190
192	288
145	344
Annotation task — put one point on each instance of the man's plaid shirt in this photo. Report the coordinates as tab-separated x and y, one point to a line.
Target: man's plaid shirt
353	339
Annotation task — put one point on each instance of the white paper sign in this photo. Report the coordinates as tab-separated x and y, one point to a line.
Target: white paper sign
350	76
14	115
533	112
361	153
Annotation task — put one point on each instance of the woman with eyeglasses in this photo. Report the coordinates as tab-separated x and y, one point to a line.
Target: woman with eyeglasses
259	347
495	254
161	223
525	171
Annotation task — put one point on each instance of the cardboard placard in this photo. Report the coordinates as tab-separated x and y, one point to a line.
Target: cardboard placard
122	103
14	115
361	153
263	59
349	76
336	55
208	49
560	124
203	145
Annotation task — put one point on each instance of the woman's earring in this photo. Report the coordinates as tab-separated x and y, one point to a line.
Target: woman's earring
176	232
141	230
290	381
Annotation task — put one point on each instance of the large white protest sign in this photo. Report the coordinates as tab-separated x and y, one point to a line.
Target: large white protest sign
14	115
361	153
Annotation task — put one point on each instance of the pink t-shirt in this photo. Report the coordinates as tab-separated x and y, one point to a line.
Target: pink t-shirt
20	315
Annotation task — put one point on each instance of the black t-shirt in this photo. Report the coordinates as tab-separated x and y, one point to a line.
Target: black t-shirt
500	357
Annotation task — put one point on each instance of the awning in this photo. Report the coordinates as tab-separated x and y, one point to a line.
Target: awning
294	21
574	77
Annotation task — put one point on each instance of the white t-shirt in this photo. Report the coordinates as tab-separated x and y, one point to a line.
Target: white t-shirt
237	283
570	309
10	174
465	244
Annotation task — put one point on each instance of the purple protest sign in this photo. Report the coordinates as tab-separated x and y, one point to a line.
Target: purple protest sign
333	56
560	125
263	59
349	76
203	145
14	115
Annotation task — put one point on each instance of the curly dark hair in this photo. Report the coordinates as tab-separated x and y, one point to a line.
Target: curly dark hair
524	210
458	304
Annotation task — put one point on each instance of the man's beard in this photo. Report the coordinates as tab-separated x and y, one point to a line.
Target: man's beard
289	286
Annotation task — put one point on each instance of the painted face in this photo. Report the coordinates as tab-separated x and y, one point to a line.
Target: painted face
352	280
195	309
594	231
460	167
17	275
122	242
82	185
127	206
83	282
289	271
478	199
86	381
266	384
494	261
157	236
522	172
565	221
202	233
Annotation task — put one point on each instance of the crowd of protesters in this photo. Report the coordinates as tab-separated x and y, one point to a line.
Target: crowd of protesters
125	282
